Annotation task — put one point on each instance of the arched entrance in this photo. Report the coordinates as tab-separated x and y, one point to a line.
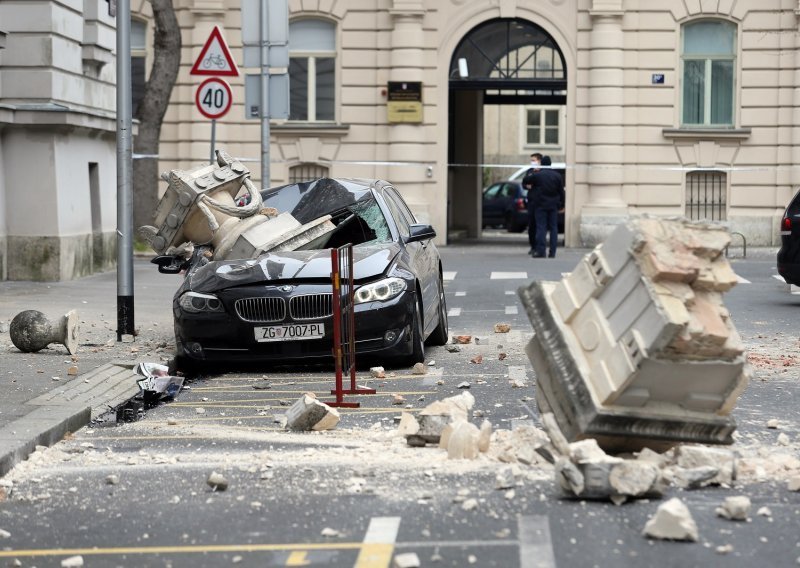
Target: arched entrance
507	61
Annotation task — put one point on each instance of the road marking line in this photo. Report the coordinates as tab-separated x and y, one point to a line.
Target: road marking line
199	549
741	280
449	275
460	294
510	293
298	558
378	546
508	275
453	312
511	310
535	544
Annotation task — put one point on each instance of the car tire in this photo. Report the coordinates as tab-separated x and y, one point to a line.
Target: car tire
441	334
180	364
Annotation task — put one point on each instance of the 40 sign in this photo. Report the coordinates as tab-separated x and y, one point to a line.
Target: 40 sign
213	98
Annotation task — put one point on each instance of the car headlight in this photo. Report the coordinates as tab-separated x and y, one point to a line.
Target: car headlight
380	291
196	303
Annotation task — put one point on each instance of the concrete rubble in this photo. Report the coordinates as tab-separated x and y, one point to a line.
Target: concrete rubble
672	521
308	413
635	347
735	508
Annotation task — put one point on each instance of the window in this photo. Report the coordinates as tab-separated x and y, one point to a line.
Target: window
705	196
542	126
312	70
709	61
138	75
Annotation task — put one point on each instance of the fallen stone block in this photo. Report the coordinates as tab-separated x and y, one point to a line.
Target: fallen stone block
672	521
793	484
634	347
308	413
724	460
433	418
484	436
695	477
735	508
462	443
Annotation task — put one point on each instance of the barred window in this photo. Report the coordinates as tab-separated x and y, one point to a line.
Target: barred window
706	196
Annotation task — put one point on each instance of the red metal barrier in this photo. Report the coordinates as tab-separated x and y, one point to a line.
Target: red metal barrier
344	326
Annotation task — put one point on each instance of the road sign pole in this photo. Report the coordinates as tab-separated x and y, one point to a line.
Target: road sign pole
213	138
124	174
264	96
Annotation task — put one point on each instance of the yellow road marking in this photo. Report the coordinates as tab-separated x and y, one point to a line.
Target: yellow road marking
198	549
298	558
374	555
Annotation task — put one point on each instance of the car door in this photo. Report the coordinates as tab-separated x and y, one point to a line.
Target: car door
423	257
493	205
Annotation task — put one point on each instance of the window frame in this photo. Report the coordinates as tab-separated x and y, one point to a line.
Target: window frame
139	53
709	60
311	57
527	146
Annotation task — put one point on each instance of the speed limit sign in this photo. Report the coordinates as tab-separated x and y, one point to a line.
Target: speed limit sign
213	98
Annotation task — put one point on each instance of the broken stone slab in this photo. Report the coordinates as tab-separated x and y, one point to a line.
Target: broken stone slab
691	457
505	478
793	484
461	440
433	418
308	413
32	331
419	369
672	521
695	477
735	508
217	481
614	479
377	372
640	324
484	436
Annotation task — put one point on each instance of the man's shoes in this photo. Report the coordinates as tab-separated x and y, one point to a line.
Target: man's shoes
537	255
551	256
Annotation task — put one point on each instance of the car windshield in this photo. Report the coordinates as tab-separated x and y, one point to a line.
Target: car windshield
352	207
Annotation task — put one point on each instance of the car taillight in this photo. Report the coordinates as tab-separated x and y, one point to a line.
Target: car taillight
520	204
786	226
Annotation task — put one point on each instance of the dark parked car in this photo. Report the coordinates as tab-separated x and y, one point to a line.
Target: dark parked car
278	307
506	203
789	253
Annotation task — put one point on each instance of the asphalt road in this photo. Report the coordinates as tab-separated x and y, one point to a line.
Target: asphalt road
359	496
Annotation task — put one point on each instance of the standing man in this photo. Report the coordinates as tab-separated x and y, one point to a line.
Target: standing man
527	183
547	198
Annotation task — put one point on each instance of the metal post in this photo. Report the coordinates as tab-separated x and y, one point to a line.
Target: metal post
264	96
124	173
213	139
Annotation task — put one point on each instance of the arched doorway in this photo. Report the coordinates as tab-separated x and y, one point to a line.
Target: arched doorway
507	61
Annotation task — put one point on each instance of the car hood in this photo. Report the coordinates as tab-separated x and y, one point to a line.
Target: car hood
369	261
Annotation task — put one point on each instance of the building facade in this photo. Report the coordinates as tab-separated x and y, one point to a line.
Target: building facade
689	107
57	139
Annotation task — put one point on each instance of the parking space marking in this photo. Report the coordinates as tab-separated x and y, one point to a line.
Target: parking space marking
378	543
449	275
535	543
460	294
508	275
511	310
453	312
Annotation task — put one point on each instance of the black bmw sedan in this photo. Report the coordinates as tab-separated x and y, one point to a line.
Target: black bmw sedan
278	307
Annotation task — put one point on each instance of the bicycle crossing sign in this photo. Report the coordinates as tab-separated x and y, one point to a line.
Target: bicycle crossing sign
215	58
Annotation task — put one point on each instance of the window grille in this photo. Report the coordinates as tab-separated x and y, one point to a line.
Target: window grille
307	172
706	196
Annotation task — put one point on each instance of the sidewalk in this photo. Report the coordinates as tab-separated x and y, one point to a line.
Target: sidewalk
40	401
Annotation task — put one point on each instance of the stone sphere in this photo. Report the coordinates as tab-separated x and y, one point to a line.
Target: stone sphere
30	331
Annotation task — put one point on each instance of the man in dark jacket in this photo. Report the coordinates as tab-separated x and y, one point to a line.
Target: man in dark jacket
527	183
547	198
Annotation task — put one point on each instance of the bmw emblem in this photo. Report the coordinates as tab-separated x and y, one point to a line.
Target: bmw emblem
286	288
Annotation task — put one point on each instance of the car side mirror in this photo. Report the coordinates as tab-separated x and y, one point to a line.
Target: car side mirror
168	264
420	232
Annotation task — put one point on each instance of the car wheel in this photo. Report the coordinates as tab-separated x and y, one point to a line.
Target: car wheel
187	367
440	335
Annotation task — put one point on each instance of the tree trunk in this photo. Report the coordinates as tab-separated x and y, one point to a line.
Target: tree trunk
166	63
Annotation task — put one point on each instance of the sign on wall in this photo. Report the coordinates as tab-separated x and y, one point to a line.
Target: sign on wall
404	103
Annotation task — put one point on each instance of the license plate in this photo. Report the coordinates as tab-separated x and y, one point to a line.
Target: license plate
294	332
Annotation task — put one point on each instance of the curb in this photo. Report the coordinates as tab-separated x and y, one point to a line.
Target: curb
66	409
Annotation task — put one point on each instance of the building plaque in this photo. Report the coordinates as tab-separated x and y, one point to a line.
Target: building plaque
404	102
